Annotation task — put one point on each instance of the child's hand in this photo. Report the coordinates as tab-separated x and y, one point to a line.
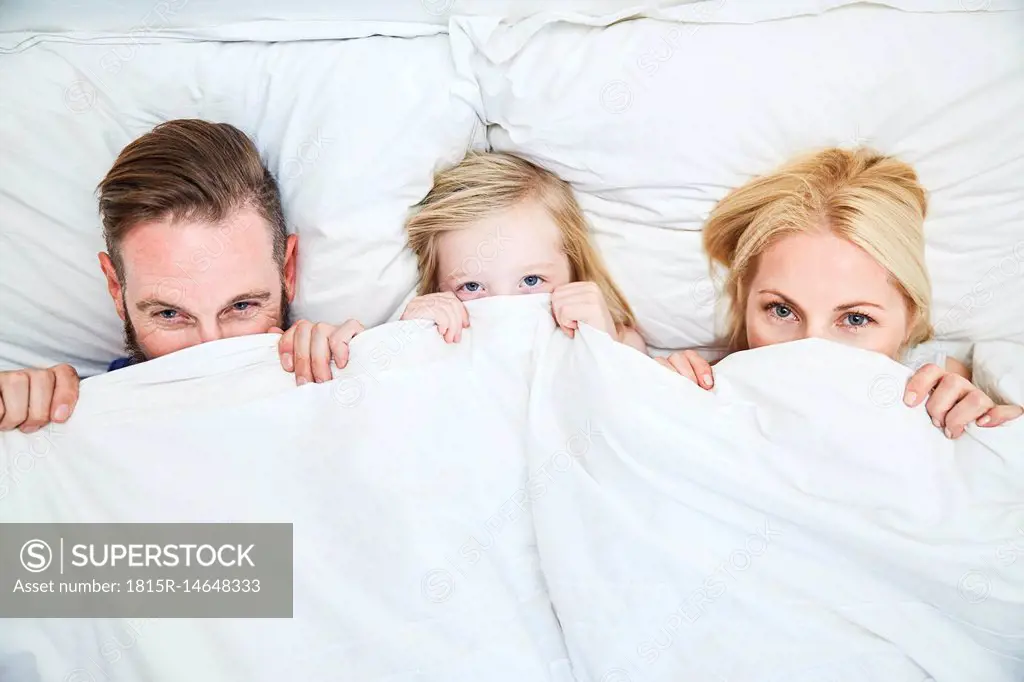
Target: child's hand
691	365
579	302
954	401
444	309
308	348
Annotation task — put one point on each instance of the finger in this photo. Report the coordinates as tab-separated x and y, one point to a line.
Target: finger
349	330
339	350
40	399
951	389
340	339
275	330
682	365
320	352
967	409
1000	414
286	349
701	368
455	323
453	317
556	314
65	393
14	396
441	320
465	313
303	340
923	381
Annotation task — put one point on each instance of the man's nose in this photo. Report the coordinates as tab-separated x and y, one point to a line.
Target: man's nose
210	331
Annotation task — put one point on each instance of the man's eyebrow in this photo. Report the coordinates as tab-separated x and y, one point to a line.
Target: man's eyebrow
154	302
258	294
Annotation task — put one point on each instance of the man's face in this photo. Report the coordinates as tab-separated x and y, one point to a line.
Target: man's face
187	283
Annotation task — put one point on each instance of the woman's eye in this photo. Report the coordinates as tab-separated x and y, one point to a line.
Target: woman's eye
781	310
857	319
471	287
531	280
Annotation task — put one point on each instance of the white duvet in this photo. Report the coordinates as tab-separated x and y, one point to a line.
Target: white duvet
522	506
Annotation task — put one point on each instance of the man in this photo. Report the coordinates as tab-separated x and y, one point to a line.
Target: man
197	250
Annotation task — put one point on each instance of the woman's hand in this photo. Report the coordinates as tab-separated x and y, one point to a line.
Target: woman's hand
691	365
307	348
581	302
955	402
443	309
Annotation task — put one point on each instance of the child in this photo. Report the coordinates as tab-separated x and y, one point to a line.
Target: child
832	246
498	225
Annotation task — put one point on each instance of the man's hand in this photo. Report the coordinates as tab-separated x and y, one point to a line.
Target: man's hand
579	302
308	348
32	398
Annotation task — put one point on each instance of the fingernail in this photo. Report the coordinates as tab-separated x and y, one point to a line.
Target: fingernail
30	429
949	434
286	359
302	380
60	414
910	398
708	380
984	420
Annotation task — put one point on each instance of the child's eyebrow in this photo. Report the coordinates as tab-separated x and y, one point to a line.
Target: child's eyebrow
546	265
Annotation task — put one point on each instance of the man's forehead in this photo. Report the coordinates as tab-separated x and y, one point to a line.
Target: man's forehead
165	244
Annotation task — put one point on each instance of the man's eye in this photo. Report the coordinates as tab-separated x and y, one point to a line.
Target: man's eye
167	314
242	305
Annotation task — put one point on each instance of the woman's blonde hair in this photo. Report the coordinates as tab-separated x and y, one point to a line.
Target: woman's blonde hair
870	200
484	183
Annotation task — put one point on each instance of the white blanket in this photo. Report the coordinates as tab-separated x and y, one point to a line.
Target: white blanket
799	523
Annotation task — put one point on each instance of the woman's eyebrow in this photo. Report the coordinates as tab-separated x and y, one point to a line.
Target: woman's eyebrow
858	304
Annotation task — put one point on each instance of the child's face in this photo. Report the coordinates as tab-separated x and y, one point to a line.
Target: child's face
819	285
516	251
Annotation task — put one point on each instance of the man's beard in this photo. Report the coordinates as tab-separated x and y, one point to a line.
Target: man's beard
131	339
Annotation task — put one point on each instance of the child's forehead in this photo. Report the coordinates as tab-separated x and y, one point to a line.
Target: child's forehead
507	232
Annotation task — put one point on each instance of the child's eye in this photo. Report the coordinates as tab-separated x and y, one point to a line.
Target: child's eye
857	319
532	280
471	287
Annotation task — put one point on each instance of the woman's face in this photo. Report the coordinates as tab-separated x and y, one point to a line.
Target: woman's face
819	285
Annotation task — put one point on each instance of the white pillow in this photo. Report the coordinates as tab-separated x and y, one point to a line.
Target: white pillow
353	130
999	370
654	120
259	19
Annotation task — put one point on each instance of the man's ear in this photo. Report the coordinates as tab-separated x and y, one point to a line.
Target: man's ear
291	257
113	283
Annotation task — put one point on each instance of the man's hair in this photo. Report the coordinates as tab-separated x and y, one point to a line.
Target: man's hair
188	169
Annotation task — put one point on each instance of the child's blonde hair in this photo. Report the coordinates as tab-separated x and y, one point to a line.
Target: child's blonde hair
871	200
484	183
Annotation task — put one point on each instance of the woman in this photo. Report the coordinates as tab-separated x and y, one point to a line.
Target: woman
832	246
